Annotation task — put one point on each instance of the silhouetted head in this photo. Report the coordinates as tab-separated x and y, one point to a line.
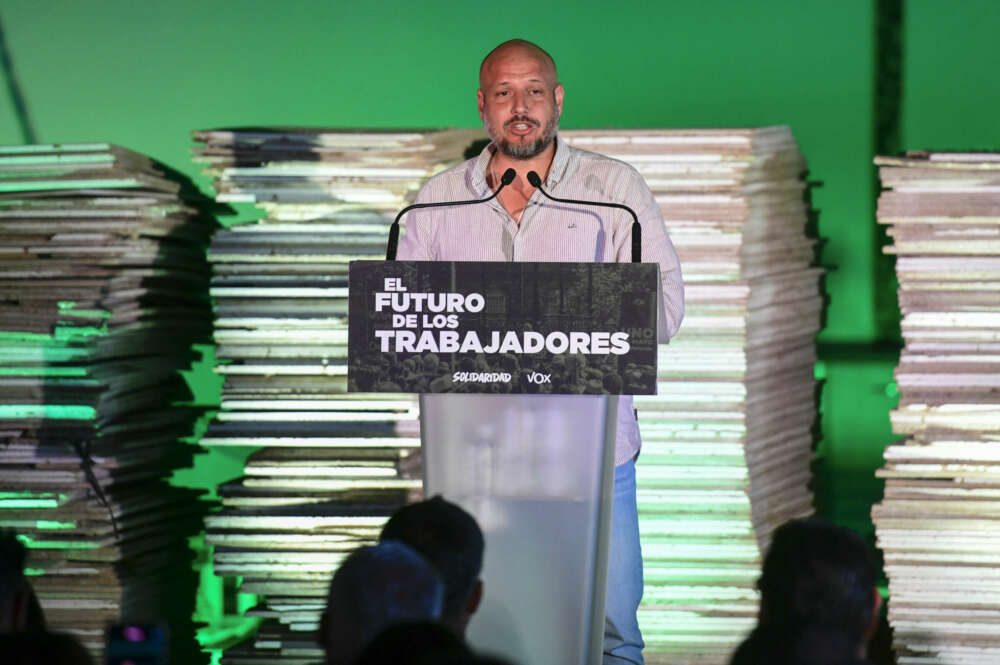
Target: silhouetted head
375	587
449	538
817	573
818	597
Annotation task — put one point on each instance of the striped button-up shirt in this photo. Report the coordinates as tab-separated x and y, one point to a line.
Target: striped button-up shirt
551	231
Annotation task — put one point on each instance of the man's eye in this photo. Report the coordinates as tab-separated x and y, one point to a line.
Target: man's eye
502	93
536	91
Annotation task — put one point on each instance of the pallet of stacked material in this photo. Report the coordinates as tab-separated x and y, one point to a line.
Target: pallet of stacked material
103	292
727	440
939	521
331	465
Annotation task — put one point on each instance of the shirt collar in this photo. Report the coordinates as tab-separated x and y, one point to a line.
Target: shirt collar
557	170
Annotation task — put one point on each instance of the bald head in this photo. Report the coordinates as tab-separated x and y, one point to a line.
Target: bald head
516	48
520	100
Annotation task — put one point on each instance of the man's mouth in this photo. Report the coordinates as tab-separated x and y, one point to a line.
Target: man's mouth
520	126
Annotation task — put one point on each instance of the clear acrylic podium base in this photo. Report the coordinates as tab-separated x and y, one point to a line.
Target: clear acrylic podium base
536	471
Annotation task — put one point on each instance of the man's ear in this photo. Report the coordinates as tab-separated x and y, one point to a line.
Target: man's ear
19	610
324	624
34	616
481	103
876	613
560	92
475	598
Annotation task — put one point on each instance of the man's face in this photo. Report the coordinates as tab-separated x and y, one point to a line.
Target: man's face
520	103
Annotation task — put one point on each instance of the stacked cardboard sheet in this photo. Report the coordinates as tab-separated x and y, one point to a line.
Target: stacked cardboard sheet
939	522
726	441
332	466
103	291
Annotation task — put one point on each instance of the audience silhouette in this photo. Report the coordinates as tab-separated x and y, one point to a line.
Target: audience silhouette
23	637
819	604
19	608
409	599
448	537
375	587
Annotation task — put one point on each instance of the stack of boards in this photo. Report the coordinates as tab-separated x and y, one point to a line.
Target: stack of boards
727	441
331	466
939	522
103	291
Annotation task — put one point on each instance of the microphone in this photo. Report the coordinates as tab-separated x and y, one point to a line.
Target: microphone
536	182
390	251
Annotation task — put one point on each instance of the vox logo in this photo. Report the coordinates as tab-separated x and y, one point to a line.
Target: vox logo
538	377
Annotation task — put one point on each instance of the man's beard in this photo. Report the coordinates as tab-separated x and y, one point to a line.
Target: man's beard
526	150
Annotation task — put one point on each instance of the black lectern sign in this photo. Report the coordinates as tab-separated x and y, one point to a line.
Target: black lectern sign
495	327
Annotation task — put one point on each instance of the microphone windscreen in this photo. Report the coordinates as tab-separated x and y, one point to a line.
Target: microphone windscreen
508	176
534	180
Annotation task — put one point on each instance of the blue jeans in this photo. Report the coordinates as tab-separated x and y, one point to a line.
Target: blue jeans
622	639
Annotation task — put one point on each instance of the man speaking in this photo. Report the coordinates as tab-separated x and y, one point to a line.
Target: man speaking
520	102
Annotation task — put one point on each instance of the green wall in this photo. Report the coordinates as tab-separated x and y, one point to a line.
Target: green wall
144	74
952	92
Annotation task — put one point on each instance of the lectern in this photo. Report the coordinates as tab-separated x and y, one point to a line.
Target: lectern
536	472
520	366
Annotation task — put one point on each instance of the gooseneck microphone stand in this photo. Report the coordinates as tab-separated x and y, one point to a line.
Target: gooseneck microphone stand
390	250
535	181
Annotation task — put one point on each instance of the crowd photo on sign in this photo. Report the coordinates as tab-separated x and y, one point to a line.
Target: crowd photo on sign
578	329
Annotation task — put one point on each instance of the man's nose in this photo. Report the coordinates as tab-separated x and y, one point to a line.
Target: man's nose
520	102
